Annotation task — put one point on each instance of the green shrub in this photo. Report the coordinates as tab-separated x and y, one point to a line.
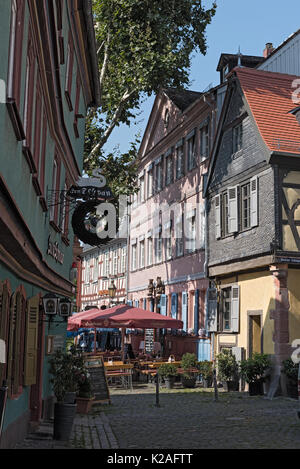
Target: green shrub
167	369
206	369
290	369
227	366
254	368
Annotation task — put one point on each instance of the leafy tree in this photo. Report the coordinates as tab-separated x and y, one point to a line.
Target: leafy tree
143	46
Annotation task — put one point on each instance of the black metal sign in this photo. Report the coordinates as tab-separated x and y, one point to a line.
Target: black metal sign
90	193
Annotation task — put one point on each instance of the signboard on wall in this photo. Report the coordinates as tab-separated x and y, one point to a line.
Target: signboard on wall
149	340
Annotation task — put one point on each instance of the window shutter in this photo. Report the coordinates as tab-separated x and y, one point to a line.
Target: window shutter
218	215
31	340
174	302
17	343
232	210
129	302
254	200
163	305
12	317
145	303
184	310
212	310
196	312
235	308
4	303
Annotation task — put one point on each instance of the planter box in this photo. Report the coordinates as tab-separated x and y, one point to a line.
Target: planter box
292	389
256	388
169	381
63	420
84	404
188	382
230	386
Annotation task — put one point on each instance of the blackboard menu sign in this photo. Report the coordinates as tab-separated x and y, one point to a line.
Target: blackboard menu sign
149	340
98	380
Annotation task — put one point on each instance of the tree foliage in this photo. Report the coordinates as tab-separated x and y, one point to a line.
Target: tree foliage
143	46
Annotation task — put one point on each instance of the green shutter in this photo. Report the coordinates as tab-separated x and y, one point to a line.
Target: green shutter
17	343
31	341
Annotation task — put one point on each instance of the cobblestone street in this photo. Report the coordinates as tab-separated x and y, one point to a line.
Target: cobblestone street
186	419
192	419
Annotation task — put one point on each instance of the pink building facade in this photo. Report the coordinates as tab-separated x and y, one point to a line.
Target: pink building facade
167	223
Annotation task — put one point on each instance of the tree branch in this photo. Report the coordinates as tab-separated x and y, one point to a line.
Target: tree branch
126	96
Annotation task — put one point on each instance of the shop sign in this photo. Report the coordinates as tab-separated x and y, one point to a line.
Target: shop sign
54	251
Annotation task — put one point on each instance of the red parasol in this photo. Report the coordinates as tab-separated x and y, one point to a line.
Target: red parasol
122	316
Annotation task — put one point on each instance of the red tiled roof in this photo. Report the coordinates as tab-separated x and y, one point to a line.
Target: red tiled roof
269	96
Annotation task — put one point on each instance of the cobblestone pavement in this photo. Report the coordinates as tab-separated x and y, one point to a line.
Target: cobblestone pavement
185	419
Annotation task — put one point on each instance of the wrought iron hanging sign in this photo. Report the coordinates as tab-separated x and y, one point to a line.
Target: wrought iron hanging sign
90	224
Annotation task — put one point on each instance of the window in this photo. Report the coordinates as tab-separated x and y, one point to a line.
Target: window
224	214
29	92
141	193
159	176
106	264
169	245
191	155
115	262
245	206
158	248
237	138
150	251
179	236
133	257
229	309
150	182
226	309
204	142
191	226
77	114
169	167
179	159
123	260
69	73
142	254
15	65
95	270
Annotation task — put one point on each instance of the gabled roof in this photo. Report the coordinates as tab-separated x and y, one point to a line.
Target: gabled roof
269	96
182	98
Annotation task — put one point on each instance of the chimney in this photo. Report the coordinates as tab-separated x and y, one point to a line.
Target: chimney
268	50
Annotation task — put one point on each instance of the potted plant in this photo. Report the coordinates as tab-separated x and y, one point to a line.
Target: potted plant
85	395
66	369
206	370
168	371
188	364
291	371
253	370
228	370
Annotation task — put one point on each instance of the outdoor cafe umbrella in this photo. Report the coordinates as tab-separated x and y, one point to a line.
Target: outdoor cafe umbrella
122	316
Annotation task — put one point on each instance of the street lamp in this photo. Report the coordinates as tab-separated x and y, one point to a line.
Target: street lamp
112	290
155	290
53	305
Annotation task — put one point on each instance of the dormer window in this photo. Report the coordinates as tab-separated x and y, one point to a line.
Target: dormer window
167	118
237	138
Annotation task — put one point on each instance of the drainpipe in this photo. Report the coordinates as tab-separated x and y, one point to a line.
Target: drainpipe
128	251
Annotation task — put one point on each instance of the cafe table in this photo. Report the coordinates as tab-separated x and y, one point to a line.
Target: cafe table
119	371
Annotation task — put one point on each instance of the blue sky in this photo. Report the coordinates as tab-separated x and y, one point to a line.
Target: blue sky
248	24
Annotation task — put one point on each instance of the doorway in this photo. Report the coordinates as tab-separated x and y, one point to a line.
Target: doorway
255	334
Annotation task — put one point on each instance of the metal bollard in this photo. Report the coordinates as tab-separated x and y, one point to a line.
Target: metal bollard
157	390
299	390
215	385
